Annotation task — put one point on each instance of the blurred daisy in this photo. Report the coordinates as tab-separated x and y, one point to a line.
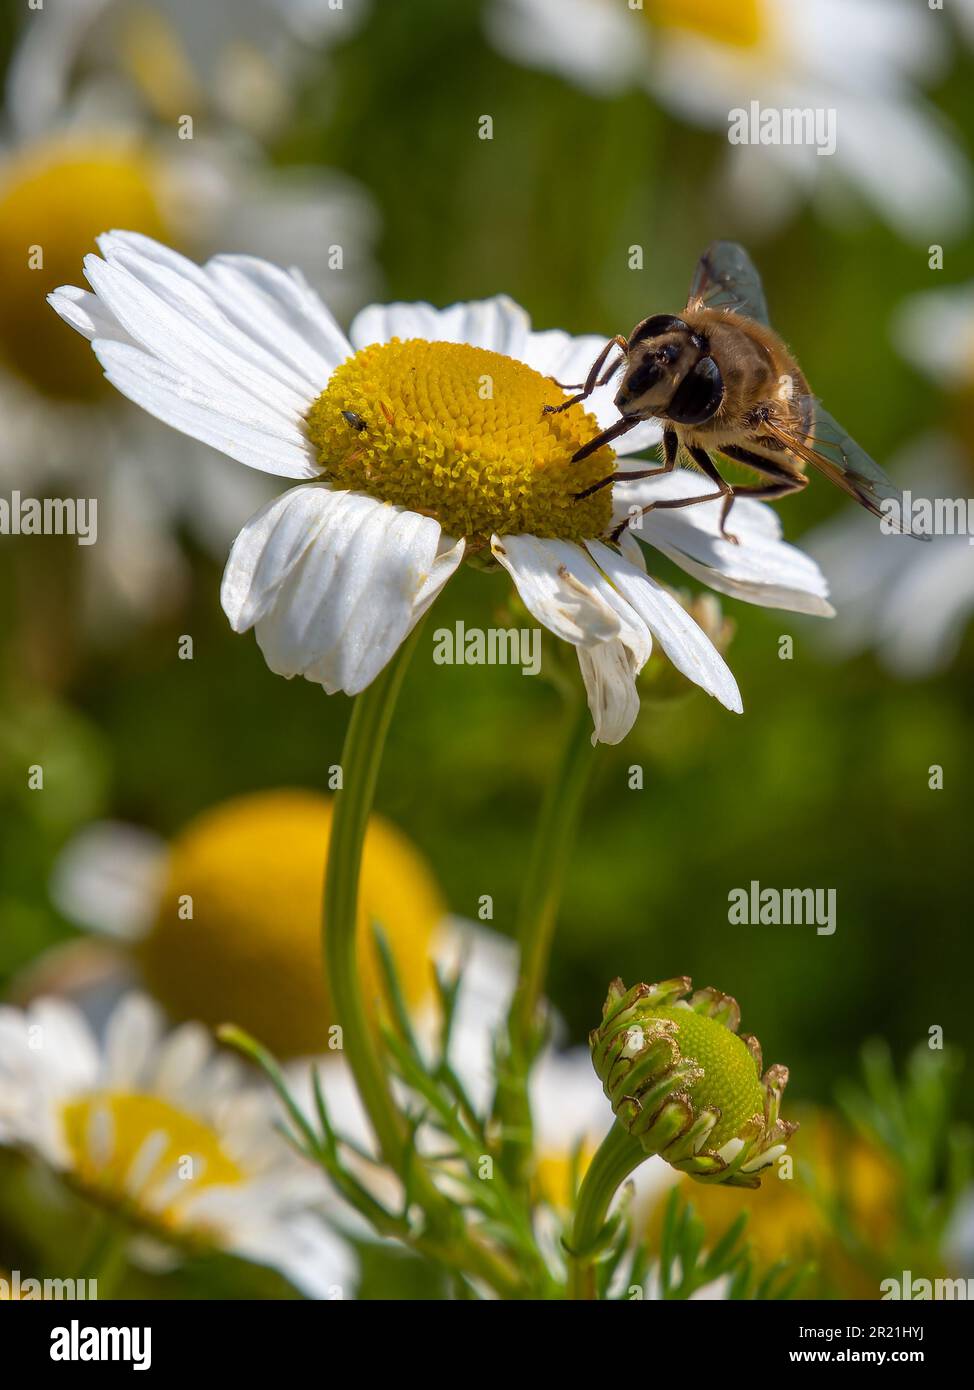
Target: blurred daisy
252	870
62	432
935	332
249	870
910	602
420	439
237	60
252	867
703	59
163	1132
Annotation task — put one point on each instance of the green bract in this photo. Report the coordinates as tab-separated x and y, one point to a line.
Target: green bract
685	1085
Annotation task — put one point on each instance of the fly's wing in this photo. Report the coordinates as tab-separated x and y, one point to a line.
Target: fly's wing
833	452
726	278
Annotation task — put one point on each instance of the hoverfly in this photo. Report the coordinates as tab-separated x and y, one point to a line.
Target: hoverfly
722	381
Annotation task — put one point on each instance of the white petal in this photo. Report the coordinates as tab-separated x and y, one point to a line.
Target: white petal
567	1100
899	155
282	310
178	400
761	569
349	597
276	310
565	591
609	672
487	963
86	314
107	878
689	649
594	44
181	1058
546	575
267	549
177	321
935	331
131	1037
449	553
498	324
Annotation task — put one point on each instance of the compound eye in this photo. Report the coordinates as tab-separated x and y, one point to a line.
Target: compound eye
698	395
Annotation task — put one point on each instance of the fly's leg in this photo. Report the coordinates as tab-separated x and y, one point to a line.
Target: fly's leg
703	461
593	379
784	481
670	449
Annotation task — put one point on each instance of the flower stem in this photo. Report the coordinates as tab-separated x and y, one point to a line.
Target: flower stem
105	1259
537	916
616	1157
545	878
361	756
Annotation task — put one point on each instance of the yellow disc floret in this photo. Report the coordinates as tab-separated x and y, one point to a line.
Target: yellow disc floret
56	196
141	1151
459	433
730	1078
742	24
237	935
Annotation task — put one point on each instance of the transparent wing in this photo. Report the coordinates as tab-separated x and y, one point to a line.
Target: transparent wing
726	278
836	454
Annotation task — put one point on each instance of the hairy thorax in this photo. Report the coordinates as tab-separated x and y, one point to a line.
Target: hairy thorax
759	374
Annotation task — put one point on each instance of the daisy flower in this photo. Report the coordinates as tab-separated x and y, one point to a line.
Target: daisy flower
910	603
419	440
162	1131
252	868
235	60
63	434
703	59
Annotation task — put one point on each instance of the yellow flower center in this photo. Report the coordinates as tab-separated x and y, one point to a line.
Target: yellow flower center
553	1175
736	23
55	197
459	433
730	1076
142	1152
789	1219
250	873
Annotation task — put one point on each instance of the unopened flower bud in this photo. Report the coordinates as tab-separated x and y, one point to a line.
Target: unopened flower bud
685	1085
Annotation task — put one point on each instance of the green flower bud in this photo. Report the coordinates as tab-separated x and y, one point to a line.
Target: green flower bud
685	1085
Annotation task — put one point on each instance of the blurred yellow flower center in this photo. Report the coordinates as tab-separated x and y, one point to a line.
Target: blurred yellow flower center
553	1175
140	1150
458	433
237	935
737	23
56	196
790	1219
730	1078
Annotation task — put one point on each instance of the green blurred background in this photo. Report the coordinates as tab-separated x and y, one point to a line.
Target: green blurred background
824	780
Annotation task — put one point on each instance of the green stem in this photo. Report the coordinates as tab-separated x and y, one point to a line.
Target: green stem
105	1259
617	1156
535	923
545	879
361	756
